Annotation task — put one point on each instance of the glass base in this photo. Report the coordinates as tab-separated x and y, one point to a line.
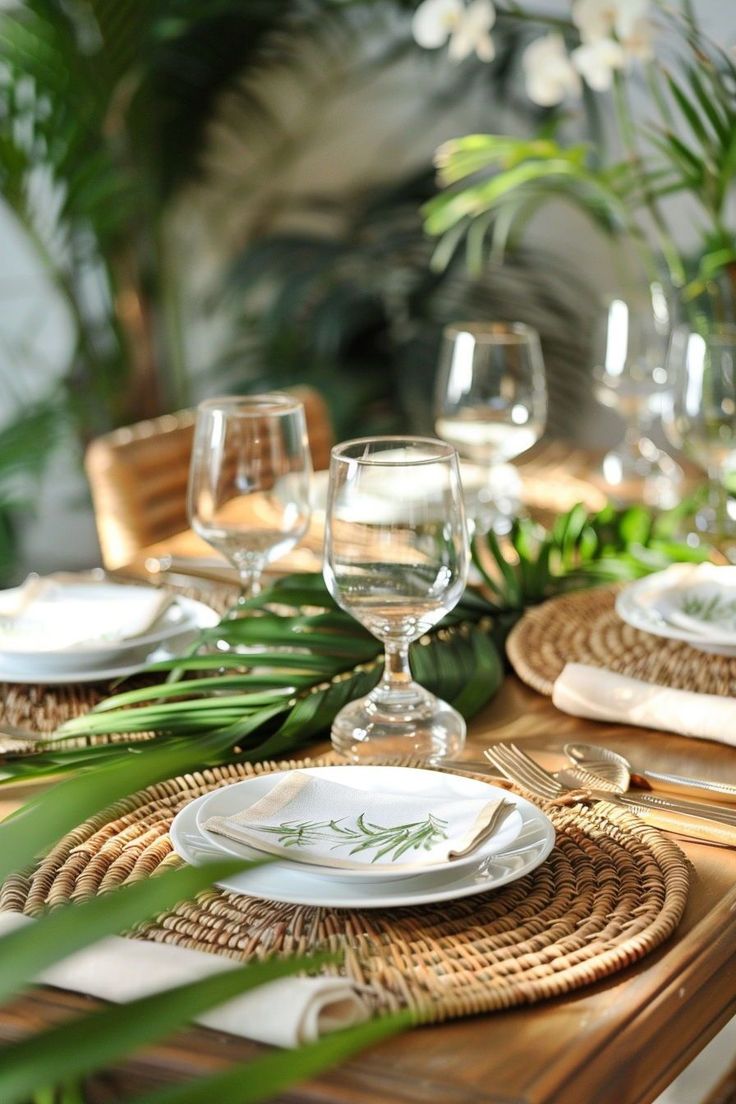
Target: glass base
388	724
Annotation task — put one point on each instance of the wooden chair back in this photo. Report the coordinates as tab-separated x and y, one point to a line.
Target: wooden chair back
138	476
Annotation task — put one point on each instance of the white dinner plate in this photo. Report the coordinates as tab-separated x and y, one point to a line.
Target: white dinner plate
32	671
178	625
275	882
392	780
645	605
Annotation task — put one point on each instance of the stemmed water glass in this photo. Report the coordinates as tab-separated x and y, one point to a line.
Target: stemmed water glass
702	417
630	337
396	558
249	481
490	403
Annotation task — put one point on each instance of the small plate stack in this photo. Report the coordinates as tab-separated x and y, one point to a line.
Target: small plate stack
352	852
66	628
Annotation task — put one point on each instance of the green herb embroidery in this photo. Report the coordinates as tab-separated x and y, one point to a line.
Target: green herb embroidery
710	609
364	836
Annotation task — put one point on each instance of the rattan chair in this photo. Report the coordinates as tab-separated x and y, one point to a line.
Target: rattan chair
138	476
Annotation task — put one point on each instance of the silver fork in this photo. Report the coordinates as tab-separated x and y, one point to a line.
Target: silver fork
519	767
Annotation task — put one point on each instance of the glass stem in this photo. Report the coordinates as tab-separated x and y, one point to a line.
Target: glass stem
249	580
396	670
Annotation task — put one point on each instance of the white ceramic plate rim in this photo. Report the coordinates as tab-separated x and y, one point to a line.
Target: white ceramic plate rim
193	613
238	795
633	608
275	883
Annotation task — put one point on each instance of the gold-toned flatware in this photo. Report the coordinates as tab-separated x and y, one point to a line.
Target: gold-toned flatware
671	815
591	756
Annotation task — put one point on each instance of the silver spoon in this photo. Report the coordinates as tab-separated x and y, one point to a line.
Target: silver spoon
597	758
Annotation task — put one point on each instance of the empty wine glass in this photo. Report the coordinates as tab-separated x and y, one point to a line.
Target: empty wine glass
629	347
491	404
249	480
396	558
702	417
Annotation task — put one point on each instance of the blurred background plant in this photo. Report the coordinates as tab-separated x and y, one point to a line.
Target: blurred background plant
682	144
229	195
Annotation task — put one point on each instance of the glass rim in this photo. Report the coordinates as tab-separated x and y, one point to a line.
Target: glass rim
251	406
444	451
498	332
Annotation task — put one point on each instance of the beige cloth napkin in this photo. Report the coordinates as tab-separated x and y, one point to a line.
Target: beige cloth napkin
285	1013
603	695
309	819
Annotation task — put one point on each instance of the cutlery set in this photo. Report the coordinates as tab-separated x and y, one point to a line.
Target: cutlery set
606	779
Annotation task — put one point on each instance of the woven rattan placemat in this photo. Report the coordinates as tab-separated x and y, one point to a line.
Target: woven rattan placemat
611	891
584	628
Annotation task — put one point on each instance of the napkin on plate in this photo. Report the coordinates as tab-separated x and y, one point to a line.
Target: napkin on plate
700	598
286	1013
603	695
310	819
60	612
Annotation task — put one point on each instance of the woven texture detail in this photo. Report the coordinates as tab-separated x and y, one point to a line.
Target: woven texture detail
585	628
611	891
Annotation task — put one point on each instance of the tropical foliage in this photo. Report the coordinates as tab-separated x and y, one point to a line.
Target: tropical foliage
684	145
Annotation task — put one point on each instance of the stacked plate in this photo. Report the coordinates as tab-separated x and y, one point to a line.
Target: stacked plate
68	628
694	603
523	841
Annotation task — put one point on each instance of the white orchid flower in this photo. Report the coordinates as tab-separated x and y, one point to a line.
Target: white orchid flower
627	20
550	75
596	61
467	28
594	18
434	22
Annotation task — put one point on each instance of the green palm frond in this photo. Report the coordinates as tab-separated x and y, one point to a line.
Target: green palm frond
302	668
580	549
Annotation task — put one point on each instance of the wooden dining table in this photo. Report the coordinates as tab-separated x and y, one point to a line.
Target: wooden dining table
620	1041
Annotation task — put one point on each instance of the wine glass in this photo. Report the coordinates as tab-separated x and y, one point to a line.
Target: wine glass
491	404
701	419
629	347
396	559
249	481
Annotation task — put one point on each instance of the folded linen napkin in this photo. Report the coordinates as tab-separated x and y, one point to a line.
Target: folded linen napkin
603	695
285	1013
62	612
310	819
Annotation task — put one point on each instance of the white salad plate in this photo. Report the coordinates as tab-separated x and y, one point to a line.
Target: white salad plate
387	780
278	881
53	669
665	605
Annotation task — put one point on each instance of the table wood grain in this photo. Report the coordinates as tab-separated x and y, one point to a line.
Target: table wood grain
617	1042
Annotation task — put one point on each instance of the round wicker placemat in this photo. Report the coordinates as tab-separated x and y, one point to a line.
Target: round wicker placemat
611	891
584	628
